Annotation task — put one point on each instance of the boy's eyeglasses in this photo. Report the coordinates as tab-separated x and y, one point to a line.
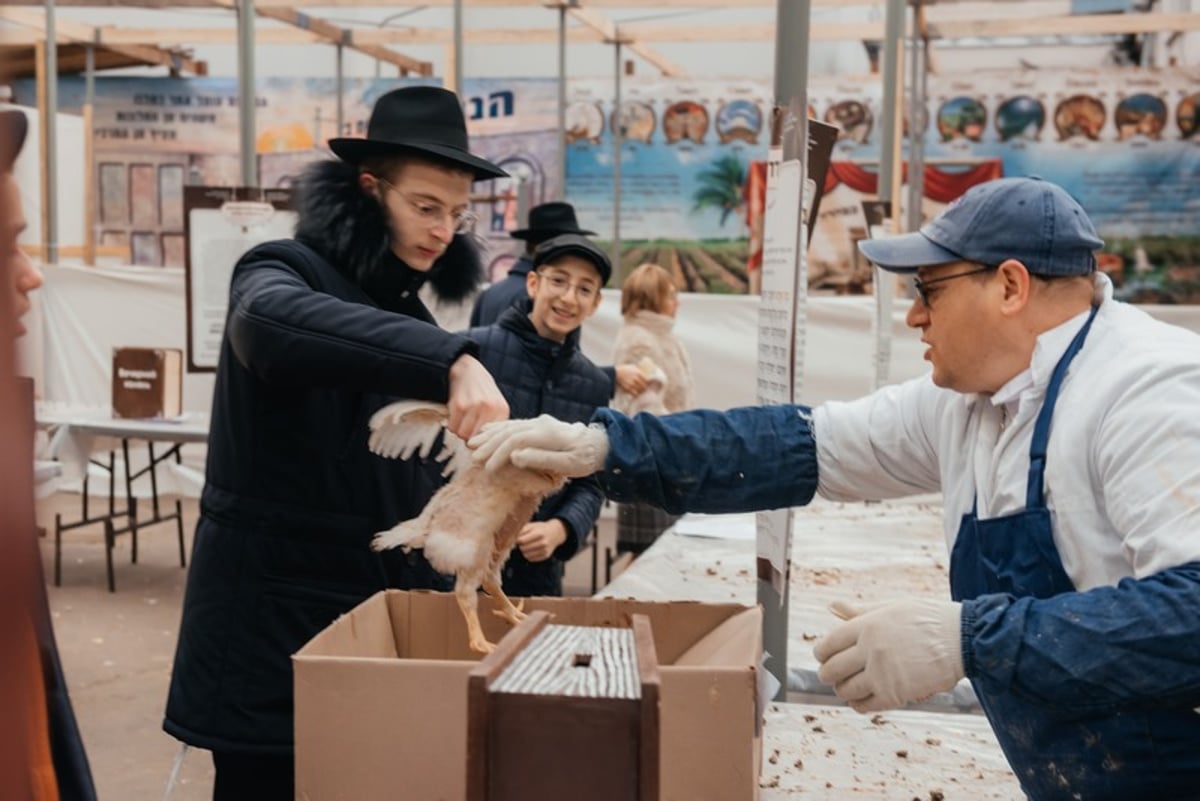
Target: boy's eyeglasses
922	287
560	285
431	215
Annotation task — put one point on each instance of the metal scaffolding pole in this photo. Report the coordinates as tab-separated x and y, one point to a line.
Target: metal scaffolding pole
89	157
792	22
917	118
618	141
50	156
341	86
458	47
562	101
890	170
247	96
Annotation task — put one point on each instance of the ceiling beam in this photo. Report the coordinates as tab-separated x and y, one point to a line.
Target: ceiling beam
1066	25
333	34
344	37
176	60
384	4
612	35
950	28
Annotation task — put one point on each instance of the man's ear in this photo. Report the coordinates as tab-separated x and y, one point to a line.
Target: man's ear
369	184
1015	285
531	282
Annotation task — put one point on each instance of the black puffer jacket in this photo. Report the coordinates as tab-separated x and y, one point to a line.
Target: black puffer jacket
321	332
540	376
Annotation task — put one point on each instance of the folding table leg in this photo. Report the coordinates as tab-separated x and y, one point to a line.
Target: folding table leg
179	525
110	537
58	545
131	503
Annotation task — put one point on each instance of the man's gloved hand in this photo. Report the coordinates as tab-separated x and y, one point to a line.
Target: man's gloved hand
543	443
892	654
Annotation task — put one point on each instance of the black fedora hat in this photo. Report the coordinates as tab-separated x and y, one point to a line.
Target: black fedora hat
422	119
550	219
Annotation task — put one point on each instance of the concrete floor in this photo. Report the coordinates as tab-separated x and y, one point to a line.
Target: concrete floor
117	648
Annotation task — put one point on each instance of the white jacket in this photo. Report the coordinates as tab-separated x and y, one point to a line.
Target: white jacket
1123	463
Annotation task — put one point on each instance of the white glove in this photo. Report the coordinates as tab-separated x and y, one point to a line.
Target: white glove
543	443
892	654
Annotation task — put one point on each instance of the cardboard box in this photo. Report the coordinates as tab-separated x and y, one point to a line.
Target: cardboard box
381	696
147	382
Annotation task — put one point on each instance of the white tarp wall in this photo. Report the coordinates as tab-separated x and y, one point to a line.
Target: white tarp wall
69	133
82	313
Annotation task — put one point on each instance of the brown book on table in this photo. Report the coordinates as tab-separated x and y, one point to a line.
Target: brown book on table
147	382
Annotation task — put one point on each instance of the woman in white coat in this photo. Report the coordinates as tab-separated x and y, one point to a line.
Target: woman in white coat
647	340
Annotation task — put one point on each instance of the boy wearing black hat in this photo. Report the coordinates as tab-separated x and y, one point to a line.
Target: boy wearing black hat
546	221
533	352
324	329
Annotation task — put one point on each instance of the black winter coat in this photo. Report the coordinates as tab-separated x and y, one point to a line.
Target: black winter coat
502	295
321	332
540	376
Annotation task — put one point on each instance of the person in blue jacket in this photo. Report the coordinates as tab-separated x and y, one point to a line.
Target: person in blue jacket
322	331
1061	427
533	352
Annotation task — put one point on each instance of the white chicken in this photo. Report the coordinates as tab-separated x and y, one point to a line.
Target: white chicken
471	524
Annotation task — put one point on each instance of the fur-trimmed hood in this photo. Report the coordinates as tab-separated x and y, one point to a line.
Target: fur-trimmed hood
349	229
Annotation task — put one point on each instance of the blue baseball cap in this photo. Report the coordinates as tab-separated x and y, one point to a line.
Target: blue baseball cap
1027	219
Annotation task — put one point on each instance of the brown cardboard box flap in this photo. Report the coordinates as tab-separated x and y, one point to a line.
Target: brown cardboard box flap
381	696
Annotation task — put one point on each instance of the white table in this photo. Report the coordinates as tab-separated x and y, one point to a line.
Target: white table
860	553
79	433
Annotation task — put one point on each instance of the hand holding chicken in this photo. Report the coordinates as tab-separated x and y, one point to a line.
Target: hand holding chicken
471	524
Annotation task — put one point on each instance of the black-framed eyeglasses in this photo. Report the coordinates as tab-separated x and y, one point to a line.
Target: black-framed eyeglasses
922	287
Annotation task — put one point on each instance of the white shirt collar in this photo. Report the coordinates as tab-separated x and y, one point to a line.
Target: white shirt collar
1050	347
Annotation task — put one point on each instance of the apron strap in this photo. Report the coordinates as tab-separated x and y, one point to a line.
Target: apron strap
1041	430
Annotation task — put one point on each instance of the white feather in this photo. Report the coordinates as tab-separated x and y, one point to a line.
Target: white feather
406	429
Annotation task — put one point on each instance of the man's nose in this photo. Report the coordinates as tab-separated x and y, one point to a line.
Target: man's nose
443	232
918	314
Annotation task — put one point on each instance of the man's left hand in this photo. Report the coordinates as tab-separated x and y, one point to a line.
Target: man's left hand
892	654
537	541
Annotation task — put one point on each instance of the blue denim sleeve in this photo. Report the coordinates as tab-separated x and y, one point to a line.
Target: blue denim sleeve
743	460
1133	645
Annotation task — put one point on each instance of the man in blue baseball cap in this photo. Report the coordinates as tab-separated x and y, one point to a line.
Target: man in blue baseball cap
1061	428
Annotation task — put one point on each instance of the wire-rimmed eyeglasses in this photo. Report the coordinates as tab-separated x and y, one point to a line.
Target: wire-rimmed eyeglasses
432	215
560	285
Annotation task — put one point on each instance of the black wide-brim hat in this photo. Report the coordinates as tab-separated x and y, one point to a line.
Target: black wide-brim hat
426	120
548	220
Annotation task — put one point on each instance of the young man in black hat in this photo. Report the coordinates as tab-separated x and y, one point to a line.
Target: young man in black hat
323	330
533	352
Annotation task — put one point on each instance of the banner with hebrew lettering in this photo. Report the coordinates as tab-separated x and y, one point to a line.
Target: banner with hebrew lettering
154	136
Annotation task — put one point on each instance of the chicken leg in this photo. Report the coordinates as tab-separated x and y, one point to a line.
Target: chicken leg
513	613
468	603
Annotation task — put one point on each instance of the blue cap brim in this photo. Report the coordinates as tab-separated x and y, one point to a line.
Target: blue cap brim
906	253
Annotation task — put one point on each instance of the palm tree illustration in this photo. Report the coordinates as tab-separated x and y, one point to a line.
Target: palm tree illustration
721	186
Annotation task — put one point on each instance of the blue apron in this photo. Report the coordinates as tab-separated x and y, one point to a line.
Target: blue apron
1072	755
